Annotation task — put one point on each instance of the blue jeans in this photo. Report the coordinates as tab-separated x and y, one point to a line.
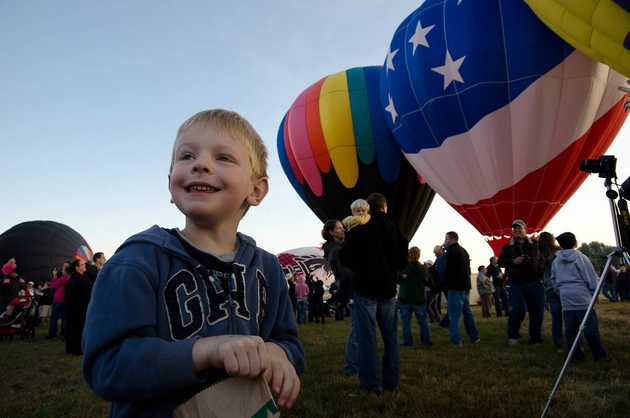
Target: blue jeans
367	314
302	305
458	305
556	321
528	297
350	362
340	312
610	291
406	312
572	321
56	314
500	300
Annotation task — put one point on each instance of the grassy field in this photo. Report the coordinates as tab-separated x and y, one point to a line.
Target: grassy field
488	379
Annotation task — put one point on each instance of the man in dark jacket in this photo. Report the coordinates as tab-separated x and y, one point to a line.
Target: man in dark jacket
375	252
414	279
522	262
609	288
457	282
93	267
498	282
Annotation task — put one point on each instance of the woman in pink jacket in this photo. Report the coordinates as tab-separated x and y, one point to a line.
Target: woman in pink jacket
301	294
58	284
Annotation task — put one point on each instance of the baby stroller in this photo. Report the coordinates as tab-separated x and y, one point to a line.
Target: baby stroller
22	321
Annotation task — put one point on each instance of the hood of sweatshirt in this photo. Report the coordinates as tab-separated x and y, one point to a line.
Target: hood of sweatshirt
567	256
162	238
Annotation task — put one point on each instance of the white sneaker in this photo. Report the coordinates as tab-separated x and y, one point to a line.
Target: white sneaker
512	341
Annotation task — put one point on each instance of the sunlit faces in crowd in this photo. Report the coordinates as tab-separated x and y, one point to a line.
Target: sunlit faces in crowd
81	267
519	229
360	211
339	233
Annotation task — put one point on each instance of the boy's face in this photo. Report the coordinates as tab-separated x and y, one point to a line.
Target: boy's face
359	211
211	179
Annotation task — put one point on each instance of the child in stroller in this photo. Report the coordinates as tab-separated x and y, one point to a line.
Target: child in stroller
20	317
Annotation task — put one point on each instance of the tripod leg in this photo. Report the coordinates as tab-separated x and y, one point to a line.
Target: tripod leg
577	337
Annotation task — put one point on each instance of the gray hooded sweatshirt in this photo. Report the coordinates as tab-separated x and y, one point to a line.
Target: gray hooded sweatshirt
573	275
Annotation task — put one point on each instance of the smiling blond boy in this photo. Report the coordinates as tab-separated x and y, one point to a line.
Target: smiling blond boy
174	309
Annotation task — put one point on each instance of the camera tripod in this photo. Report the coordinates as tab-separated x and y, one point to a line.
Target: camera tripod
619	251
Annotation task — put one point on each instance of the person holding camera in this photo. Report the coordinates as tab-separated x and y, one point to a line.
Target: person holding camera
521	259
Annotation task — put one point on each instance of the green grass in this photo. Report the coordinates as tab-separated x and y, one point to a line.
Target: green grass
489	379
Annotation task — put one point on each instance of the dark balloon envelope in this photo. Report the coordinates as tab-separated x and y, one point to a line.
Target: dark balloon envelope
335	147
39	246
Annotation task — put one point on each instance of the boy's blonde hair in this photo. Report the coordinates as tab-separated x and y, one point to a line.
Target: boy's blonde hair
359	204
236	127
414	254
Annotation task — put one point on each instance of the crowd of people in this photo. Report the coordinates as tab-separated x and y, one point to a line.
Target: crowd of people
529	277
61	301
380	281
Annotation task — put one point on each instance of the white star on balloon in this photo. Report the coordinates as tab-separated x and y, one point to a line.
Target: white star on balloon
450	69
391	109
420	36
389	61
459	2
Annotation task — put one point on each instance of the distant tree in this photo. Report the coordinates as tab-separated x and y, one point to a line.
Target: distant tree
597	252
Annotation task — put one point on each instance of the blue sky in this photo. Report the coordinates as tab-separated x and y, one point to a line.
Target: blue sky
93	92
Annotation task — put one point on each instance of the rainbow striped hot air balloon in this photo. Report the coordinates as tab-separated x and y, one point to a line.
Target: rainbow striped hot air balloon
335	147
83	252
496	111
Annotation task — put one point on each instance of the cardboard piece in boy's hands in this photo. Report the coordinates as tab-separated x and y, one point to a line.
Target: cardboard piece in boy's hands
235	397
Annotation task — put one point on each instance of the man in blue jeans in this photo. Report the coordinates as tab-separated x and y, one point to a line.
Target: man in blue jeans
412	298
524	268
457	282
609	288
375	252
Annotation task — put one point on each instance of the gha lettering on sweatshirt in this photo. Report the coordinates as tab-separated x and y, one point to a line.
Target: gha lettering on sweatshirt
188	304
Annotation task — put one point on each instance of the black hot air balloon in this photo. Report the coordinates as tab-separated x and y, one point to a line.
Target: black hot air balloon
39	246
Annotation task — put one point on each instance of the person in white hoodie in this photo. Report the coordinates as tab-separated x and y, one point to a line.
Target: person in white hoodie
573	275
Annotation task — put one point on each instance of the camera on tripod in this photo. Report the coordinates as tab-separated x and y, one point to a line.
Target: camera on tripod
605	166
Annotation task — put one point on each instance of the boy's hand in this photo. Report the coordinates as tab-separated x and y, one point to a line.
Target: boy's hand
238	355
281	376
249	356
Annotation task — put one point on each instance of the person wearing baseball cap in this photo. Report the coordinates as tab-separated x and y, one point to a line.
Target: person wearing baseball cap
519	222
522	262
